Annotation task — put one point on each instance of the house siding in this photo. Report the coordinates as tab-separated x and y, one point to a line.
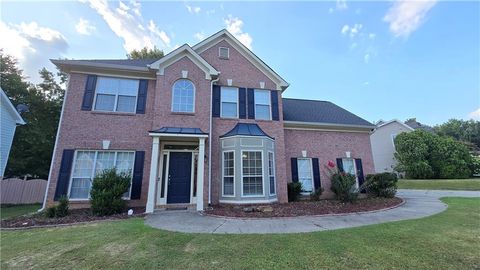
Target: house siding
327	146
7	131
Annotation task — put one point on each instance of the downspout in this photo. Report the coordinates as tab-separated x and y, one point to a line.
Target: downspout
210	143
55	146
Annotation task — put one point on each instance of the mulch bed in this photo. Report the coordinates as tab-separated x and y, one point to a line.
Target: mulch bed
75	216
305	208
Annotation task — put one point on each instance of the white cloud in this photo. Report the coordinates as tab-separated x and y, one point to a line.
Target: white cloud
406	16
341	5
366	58
193	9
352	31
32	45
372	36
127	22
234	26
84	27
475	115
200	36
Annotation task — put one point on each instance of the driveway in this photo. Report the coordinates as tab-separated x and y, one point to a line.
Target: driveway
418	204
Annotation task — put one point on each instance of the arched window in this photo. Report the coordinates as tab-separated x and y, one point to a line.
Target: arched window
183	96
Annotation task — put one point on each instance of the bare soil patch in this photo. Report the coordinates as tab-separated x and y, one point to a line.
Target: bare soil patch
75	216
305	208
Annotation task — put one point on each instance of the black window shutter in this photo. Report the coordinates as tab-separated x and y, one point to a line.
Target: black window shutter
242	103
340	164
274	101
251	103
216	101
89	93
64	174
137	175
294	169
316	173
142	96
360	176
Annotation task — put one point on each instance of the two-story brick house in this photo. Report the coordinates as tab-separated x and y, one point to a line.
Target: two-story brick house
202	125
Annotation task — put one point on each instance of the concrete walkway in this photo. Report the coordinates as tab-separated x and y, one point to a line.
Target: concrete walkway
418	204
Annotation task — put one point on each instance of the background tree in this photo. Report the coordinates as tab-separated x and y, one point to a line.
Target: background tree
146	53
467	132
33	143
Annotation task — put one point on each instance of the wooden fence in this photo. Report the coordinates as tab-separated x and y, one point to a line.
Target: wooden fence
18	191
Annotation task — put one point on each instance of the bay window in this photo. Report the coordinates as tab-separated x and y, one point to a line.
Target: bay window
271	172
252	173
228	173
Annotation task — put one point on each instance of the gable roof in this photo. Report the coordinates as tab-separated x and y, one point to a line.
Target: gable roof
9	106
393	121
184	51
318	112
249	55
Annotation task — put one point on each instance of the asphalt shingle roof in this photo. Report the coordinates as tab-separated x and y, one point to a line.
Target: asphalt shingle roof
315	111
245	129
178	130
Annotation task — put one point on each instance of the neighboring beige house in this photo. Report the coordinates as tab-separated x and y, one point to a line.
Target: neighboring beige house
383	145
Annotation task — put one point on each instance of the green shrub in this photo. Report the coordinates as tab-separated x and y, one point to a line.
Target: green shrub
107	190
343	185
62	207
381	184
294	190
51	211
315	195
476	165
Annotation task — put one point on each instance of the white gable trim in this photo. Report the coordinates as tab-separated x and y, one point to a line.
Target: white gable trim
395	120
179	53
249	55
11	108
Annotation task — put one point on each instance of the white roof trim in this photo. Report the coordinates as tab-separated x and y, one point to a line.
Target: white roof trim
154	134
83	63
12	109
255	60
395	120
179	53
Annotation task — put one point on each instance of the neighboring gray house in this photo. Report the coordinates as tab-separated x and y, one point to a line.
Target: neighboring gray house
383	145
10	118
414	124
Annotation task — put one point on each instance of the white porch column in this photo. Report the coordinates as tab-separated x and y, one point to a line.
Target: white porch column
153	176
200	170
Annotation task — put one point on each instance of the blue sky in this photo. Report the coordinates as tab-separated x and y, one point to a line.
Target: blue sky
380	60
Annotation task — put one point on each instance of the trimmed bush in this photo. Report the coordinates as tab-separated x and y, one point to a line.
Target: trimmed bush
62	207
50	212
294	190
343	185
107	190
381	184
315	196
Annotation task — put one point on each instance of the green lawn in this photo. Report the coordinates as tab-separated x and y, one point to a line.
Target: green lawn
8	211
452	184
449	240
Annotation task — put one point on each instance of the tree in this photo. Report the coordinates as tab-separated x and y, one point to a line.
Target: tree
146	53
33	143
467	132
421	154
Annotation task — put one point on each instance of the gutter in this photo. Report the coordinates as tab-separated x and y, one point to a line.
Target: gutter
55	147
210	143
325	125
99	65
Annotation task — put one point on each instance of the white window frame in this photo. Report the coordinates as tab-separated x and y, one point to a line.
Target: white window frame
220	55
173	96
94	105
262	175
354	169
274	172
393	135
311	175
223	174
221	102
269	104
92	175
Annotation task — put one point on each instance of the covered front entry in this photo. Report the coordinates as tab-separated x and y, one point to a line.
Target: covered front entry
179	177
176	168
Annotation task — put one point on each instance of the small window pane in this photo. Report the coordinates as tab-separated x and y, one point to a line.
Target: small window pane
105	160
262	112
128	87
228	173
80	188
84	164
126	103
107	85
105	102
229	94
229	109
271	172
228	186
262	97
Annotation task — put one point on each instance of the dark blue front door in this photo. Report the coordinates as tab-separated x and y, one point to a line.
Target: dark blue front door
179	177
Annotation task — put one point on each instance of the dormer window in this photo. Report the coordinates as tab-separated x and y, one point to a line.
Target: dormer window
223	53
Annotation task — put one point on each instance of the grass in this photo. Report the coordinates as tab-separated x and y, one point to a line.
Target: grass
442	184
449	240
8	211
